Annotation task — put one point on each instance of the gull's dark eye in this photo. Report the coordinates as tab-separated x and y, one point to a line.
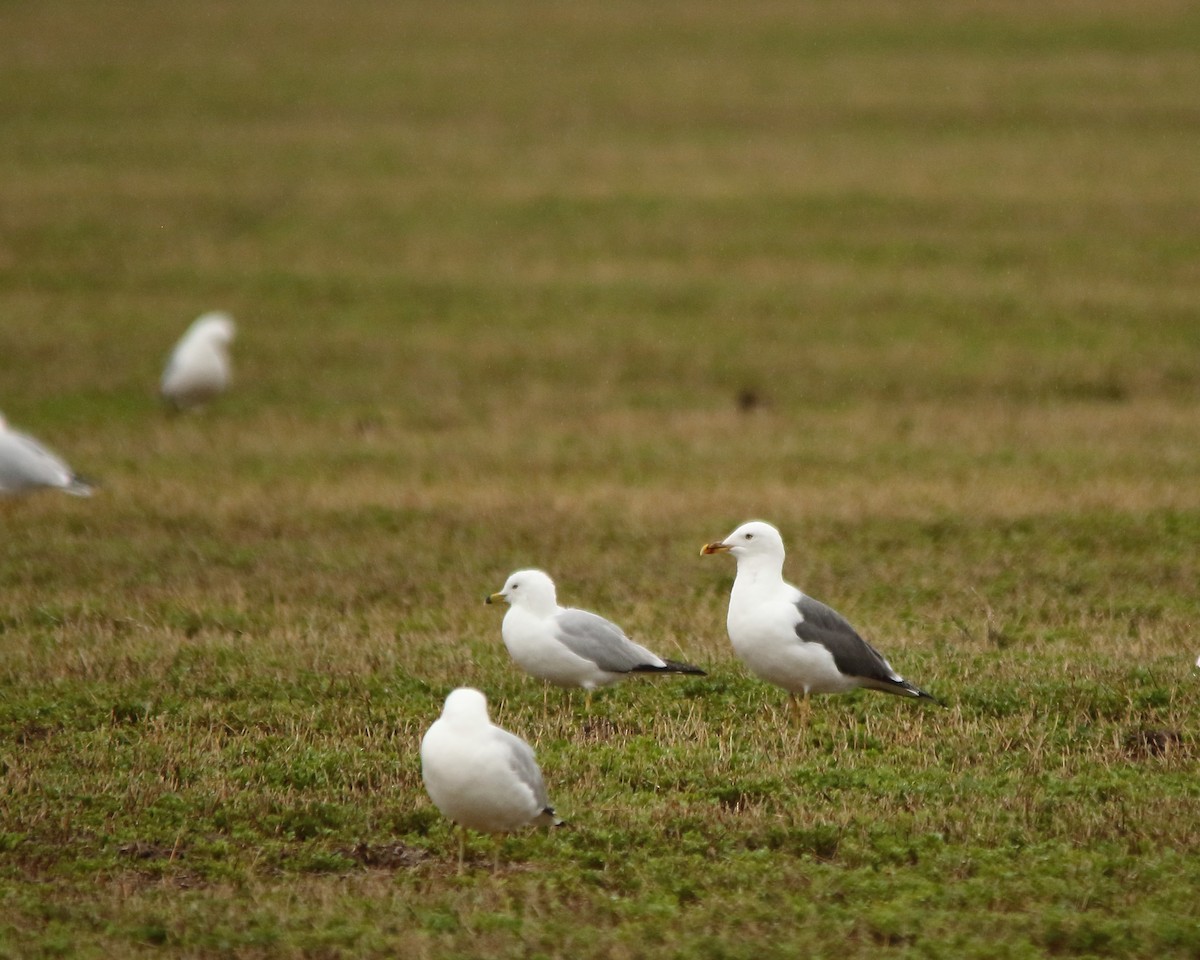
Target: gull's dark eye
749	536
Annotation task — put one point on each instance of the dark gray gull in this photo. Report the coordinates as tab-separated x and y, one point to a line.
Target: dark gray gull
789	639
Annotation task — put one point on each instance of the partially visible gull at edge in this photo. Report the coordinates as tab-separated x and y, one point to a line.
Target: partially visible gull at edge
25	466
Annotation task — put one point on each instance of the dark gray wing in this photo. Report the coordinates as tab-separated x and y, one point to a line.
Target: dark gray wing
602	642
851	653
521	759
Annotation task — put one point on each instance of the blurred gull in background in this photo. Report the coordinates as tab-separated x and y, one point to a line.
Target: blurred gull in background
198	369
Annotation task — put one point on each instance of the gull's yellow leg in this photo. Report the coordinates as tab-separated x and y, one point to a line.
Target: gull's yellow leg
801	707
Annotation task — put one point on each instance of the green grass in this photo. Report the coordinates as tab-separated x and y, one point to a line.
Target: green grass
502	272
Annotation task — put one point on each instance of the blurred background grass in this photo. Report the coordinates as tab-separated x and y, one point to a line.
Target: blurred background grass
674	267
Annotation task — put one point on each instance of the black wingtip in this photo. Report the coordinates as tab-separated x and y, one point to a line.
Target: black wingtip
670	666
924	695
81	486
902	688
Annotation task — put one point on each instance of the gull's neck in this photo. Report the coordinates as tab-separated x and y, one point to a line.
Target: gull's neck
467	721
540	606
759	572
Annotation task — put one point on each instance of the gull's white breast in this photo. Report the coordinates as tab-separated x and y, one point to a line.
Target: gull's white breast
531	643
762	629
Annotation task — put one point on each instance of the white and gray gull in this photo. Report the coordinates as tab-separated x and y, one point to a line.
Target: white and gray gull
789	639
25	466
478	774
566	646
198	369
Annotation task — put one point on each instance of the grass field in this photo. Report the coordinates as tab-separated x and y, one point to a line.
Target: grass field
582	286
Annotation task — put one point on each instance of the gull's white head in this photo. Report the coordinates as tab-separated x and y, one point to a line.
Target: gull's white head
752	540
528	588
466	707
216	327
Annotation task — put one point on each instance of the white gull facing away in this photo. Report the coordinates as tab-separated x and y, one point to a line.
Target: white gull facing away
199	369
478	774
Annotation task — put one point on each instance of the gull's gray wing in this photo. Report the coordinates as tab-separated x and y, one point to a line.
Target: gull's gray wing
852	654
523	764
602	642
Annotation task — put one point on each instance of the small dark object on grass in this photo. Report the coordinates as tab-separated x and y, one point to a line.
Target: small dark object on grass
139	850
385	855
749	399
597	729
1149	742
